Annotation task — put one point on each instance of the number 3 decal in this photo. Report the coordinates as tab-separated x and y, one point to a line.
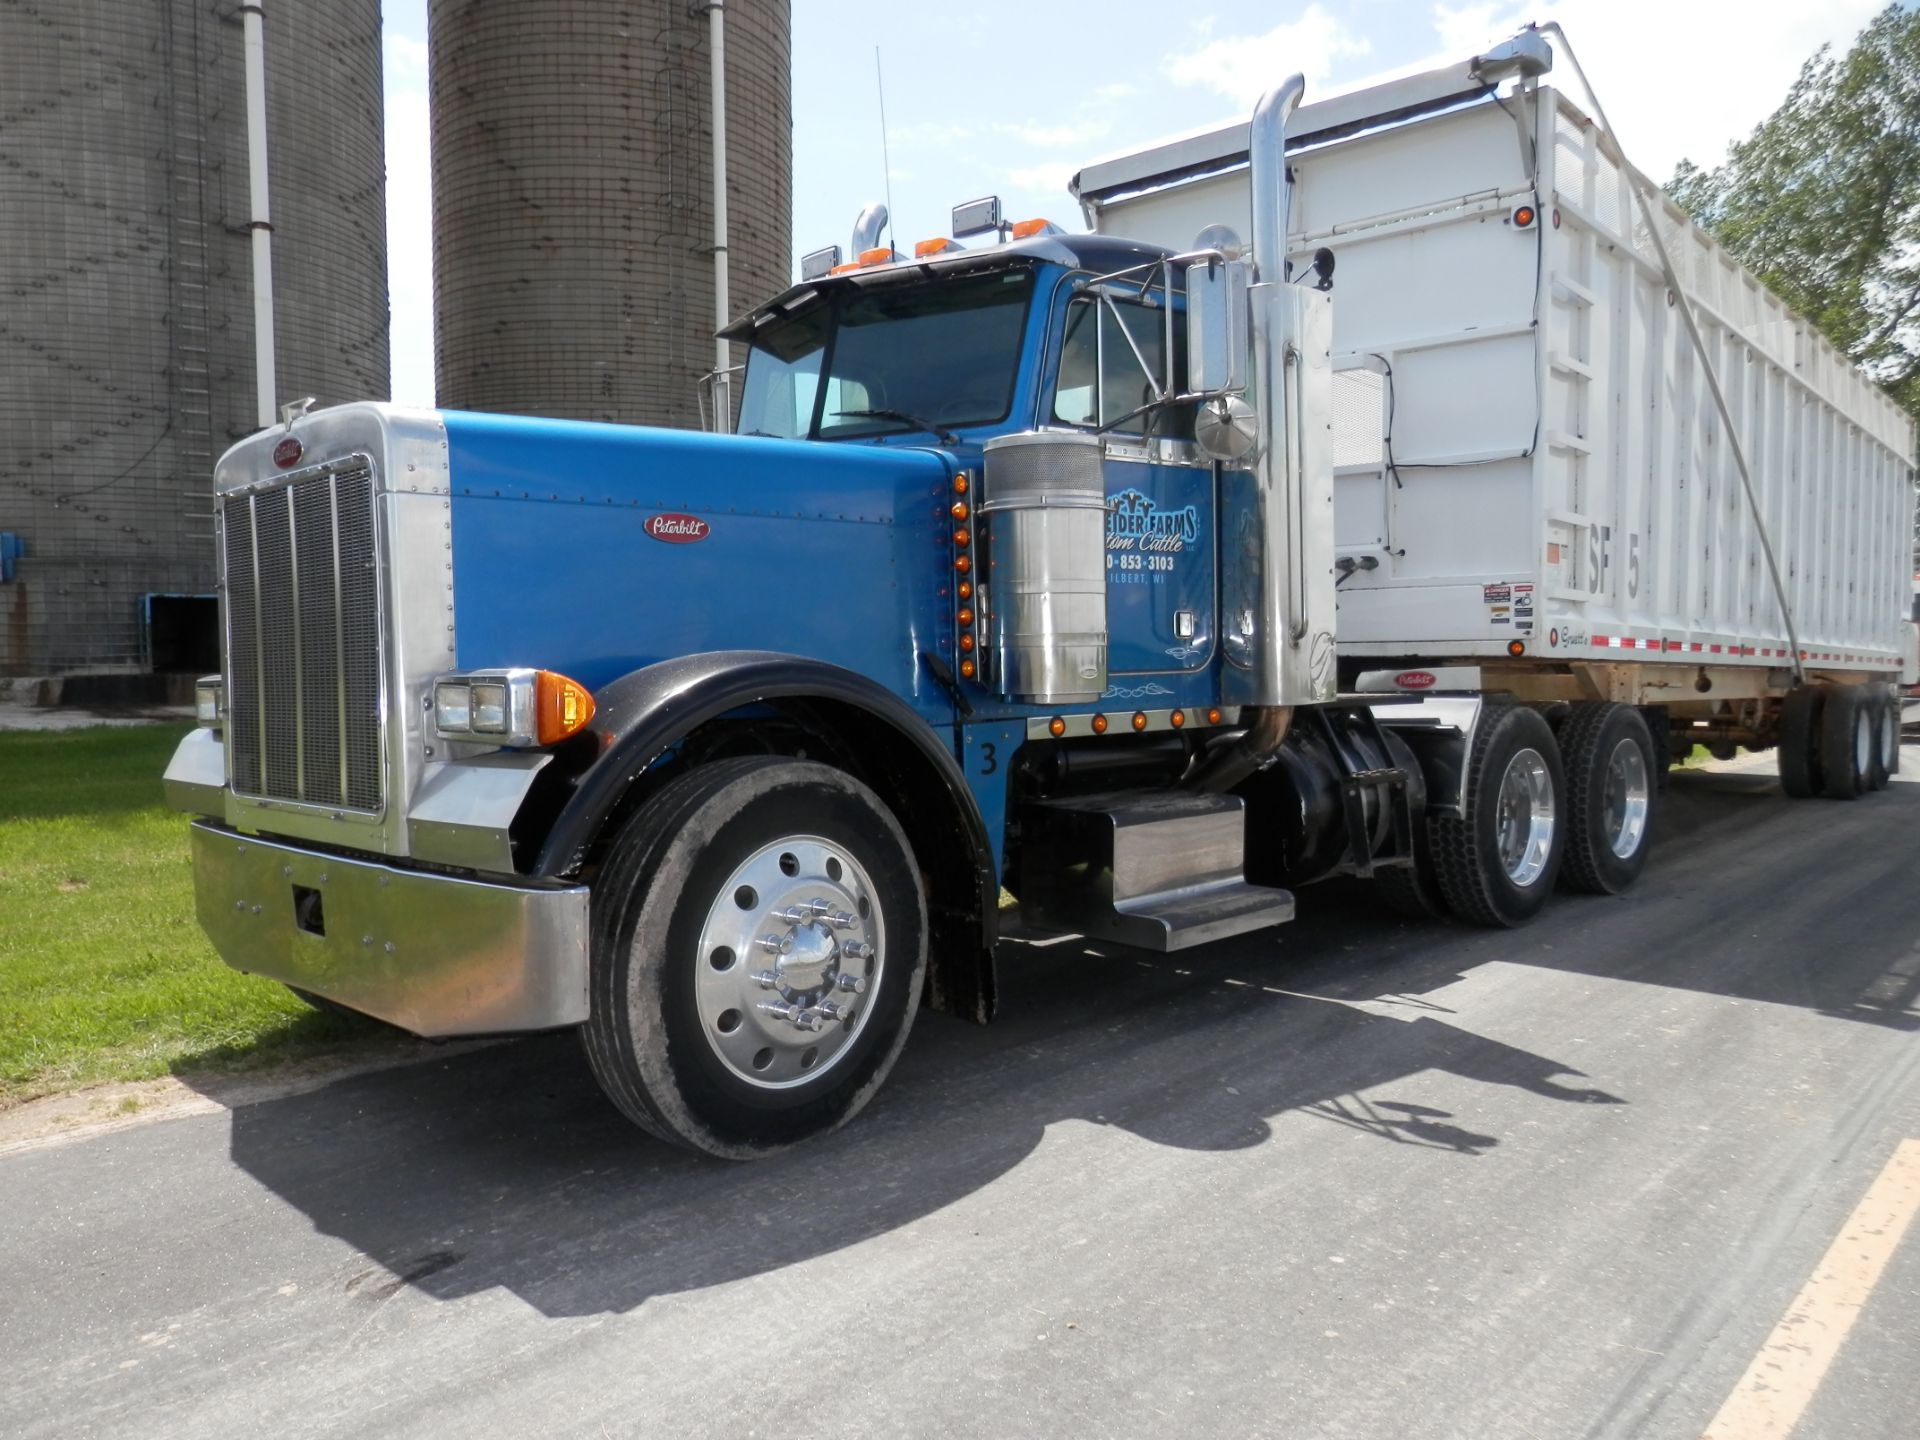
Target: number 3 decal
988	763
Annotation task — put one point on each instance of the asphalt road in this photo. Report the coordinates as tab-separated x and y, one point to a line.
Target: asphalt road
1357	1178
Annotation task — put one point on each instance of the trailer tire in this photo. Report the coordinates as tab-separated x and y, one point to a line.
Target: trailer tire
1799	747
679	1034
1611	796
1848	740
1886	735
1497	864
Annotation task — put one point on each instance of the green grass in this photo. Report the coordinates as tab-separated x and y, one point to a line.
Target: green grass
104	973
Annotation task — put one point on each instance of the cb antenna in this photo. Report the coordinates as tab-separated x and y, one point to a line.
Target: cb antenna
886	162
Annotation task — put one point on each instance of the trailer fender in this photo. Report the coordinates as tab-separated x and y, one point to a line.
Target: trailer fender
642	717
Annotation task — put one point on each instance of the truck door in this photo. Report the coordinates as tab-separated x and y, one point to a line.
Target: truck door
1160	544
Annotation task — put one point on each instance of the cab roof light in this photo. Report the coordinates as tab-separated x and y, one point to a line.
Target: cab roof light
938	245
816	263
1026	229
977	217
878	255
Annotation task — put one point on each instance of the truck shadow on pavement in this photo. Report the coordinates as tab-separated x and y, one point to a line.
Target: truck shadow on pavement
505	1168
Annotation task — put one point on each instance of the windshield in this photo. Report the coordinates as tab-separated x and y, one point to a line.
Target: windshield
887	360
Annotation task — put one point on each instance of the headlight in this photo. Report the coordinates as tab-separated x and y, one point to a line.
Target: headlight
209	701
519	707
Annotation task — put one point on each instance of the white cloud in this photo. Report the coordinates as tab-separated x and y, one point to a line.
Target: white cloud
1678	80
1049	177
1243	67
1075	132
1120	90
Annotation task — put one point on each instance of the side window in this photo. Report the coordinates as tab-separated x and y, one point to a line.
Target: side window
1101	374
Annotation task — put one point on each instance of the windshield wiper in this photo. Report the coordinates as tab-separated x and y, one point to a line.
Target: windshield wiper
933	428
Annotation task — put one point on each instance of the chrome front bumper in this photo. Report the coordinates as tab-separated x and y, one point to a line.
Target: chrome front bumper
434	954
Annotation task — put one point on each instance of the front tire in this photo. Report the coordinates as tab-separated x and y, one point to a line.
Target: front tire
759	943
1497	865
1609	759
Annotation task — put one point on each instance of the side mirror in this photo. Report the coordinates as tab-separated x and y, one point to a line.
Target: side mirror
1217	327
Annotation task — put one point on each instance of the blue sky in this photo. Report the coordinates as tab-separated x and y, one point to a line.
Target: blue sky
1012	98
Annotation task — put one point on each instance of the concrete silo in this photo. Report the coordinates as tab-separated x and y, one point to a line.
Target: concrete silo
126	333
573	199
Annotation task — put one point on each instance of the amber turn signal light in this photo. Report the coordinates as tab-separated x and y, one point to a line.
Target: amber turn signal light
561	707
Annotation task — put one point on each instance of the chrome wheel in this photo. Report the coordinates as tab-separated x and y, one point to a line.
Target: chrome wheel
1629	799
792	943
1525	819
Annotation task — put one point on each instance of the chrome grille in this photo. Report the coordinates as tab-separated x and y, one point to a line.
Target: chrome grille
303	640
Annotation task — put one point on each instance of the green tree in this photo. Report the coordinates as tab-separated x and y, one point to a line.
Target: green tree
1822	201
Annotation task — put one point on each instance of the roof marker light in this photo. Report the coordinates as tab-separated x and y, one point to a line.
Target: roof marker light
938	245
1027	229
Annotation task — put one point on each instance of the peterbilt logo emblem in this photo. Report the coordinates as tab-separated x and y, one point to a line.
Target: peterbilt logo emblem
1414	679
288	452
678	529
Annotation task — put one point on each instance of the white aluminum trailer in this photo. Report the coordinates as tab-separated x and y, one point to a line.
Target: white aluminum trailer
1532	477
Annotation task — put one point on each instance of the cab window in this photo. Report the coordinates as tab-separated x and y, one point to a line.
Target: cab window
1102	377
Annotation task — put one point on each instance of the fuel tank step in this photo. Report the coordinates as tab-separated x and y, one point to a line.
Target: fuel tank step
1161	871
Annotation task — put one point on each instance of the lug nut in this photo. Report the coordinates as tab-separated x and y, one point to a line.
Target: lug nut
774	944
853	984
767	979
855	950
840	920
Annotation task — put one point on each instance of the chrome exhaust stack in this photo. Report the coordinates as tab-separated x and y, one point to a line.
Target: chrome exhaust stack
1277	519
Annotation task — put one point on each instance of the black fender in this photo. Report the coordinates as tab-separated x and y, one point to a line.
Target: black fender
644	714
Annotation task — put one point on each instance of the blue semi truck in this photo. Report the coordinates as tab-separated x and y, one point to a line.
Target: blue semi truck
1018	575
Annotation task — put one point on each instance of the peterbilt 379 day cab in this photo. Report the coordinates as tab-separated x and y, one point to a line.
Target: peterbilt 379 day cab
1025	571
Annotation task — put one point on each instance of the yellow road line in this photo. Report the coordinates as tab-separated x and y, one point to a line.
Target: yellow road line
1774	1393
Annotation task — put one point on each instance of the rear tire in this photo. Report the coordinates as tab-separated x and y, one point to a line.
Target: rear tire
706	1037
1886	729
1799	747
1610	767
1847	743
1497	865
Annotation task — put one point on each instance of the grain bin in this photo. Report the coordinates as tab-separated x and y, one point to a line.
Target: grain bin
573	215
126	339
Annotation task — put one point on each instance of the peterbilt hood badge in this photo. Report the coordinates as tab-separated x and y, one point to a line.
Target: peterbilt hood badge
287	453
677	529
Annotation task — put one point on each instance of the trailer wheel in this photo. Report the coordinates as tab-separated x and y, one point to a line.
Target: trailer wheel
1497	865
759	943
1609	759
1886	760
1799	747
1848	740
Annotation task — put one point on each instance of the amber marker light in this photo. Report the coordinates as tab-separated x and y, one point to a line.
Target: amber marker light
959	484
965	590
561	707
1177	719
1099	724
966	642
959	510
1023	229
1516	647
1139	719
966	669
1213	715
964	615
878	255
963	564
1056	727
1523	217
962	539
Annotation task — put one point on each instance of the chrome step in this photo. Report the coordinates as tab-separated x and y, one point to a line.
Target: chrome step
1161	871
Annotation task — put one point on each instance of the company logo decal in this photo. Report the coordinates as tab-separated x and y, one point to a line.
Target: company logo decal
288	452
1134	522
678	529
1414	680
